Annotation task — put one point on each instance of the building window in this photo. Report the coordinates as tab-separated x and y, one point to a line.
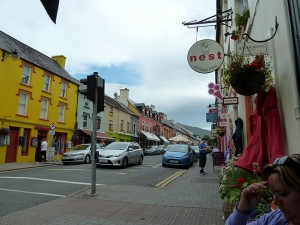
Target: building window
143	125
26	141
26	74
122	125
111	111
47	80
23	101
63	91
86	116
44	108
134	129
110	125
61	114
98	123
128	127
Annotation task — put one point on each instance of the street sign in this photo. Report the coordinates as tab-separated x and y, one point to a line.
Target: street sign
230	101
212	117
251	48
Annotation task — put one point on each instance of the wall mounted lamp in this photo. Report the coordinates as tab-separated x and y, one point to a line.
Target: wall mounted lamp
233	35
5	54
213	105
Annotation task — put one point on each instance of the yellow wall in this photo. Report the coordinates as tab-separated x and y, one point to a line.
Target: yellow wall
10	85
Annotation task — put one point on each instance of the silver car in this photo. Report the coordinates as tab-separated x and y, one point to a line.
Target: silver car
120	154
79	154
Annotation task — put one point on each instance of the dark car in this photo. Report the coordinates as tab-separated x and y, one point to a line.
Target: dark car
178	155
152	150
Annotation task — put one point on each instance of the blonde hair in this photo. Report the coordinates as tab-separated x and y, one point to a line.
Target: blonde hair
288	171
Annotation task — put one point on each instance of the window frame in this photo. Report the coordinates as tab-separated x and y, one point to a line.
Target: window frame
44	108
26	76
24	105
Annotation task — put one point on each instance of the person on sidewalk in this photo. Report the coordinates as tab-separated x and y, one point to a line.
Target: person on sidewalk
282	177
203	150
44	147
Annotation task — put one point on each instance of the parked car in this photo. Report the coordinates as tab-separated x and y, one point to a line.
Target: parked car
152	150
79	154
161	148
120	154
178	155
195	148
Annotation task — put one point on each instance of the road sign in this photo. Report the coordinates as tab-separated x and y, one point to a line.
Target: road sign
51	132
212	117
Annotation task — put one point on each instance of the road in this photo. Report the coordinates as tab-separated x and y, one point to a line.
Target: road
27	188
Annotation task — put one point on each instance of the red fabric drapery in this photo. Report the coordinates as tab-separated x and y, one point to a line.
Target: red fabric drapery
265	144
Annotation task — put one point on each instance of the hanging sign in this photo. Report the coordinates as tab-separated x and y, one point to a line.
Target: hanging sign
215	90
251	48
205	56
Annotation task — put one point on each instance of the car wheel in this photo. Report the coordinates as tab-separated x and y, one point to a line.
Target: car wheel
125	162
87	159
163	165
65	163
141	160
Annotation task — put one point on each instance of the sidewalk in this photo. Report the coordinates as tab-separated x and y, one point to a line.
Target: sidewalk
191	199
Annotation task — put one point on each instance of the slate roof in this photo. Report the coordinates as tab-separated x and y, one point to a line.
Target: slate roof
33	56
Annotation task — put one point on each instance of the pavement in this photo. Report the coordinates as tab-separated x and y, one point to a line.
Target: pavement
190	199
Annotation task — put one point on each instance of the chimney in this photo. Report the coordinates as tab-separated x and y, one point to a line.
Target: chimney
60	59
124	96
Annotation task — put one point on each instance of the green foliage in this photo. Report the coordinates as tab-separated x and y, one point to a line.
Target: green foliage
241	19
233	180
239	64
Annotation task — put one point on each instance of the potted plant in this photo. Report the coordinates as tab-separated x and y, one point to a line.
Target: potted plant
219	131
240	21
246	77
233	180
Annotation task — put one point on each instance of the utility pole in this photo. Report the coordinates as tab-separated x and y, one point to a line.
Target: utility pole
95	93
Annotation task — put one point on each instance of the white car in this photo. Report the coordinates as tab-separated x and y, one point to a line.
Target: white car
120	154
79	154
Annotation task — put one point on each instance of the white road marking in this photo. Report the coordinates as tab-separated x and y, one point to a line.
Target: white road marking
49	180
29	192
157	165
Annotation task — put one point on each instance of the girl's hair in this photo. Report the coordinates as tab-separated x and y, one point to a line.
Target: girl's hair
288	169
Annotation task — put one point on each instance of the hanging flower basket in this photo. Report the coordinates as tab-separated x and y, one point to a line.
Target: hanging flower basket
247	78
248	82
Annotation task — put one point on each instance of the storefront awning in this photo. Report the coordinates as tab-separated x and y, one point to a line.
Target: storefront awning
150	136
164	139
100	135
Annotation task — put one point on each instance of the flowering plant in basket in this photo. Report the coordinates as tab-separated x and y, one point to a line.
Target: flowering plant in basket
246	77
233	180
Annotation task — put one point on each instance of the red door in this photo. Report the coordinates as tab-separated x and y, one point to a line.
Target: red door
11	150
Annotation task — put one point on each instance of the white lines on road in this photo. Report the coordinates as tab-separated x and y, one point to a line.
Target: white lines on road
157	165
49	180
30	192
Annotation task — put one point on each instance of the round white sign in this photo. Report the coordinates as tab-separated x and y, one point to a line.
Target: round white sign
205	56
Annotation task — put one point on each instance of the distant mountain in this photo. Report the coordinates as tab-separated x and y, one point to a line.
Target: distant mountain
197	131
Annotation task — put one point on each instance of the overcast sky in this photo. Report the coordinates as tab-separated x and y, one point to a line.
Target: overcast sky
136	44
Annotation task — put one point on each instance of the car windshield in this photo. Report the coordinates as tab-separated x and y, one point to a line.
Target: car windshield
178	148
116	146
81	147
195	148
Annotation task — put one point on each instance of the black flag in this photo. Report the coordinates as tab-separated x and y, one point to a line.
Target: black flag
51	7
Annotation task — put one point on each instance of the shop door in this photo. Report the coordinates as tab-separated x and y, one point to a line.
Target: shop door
11	150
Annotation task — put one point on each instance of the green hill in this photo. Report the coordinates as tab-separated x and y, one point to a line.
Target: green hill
197	131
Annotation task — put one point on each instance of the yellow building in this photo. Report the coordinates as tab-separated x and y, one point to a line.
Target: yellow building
118	120
37	93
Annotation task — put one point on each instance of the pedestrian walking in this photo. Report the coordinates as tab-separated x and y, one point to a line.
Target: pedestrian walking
44	147
203	150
